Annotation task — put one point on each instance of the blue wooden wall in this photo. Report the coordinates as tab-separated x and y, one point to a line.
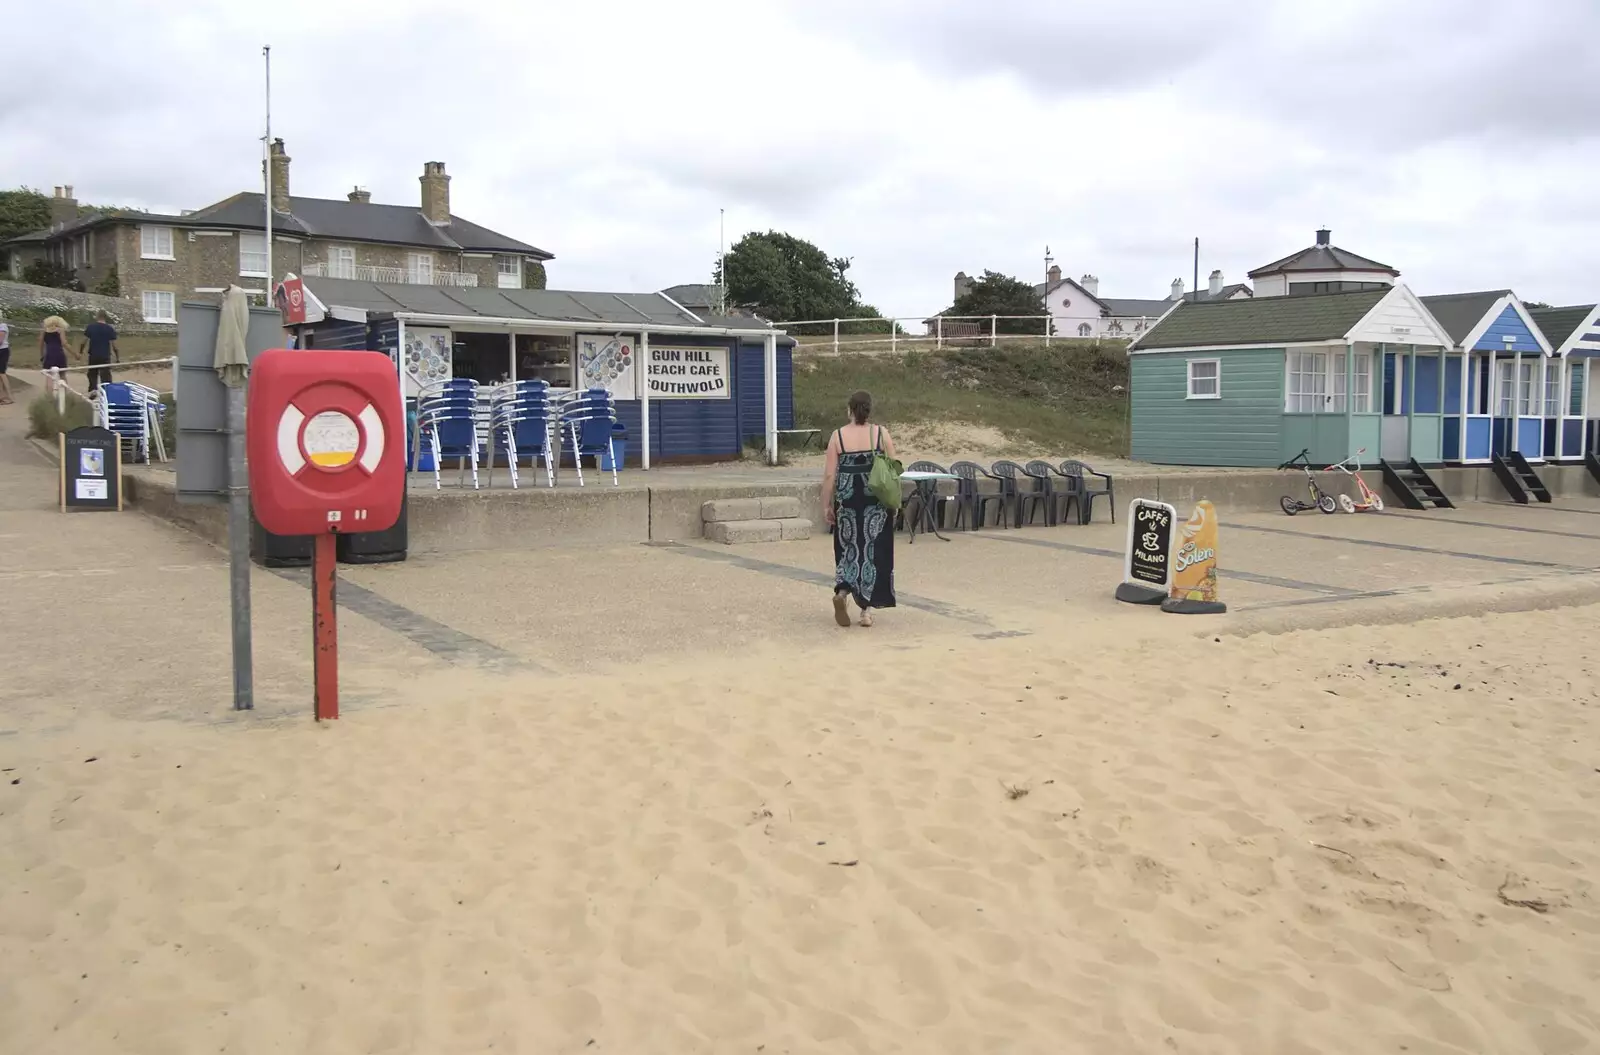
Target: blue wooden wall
1508	324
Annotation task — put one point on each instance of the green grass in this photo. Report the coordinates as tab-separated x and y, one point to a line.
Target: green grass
1056	398
133	347
45	422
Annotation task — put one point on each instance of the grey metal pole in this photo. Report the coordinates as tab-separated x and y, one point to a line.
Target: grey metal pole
239	553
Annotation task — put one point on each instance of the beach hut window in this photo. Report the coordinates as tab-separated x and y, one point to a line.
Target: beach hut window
1575	388
1552	390
1503	385
1205	379
1308	383
1363	383
1527	405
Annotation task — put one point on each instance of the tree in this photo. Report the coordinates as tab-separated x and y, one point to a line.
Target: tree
50	273
1534	305
21	211
783	278
111	284
533	275
1002	295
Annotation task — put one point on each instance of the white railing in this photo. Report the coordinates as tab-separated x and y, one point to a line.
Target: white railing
401	276
942	330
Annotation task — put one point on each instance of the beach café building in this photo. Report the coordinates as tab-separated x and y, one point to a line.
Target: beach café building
1252	382
688	387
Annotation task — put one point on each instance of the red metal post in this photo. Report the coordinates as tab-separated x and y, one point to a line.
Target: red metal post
325	624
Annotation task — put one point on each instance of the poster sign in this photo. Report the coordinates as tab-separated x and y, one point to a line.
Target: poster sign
91	469
1147	563
688	373
426	358
290	298
607	362
1194	565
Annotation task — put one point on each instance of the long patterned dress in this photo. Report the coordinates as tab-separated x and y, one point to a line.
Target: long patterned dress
863	535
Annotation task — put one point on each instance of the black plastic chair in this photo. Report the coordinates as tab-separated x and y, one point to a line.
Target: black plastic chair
972	503
925	493
1043	495
1088	493
1006	474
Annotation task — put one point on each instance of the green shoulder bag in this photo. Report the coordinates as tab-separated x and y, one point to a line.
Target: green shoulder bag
884	479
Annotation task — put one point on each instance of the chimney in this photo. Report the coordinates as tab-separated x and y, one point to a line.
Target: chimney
1216	283
963	285
1055	274
278	165
1091	283
63	207
360	194
1324	236
1177	289
435	193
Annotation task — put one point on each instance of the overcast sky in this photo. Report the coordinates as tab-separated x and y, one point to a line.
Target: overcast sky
1457	140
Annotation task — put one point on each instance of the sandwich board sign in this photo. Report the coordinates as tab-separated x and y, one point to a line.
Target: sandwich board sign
1147	563
91	469
1194	589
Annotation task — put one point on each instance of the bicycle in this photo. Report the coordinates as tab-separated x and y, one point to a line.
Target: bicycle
1370	499
1320	499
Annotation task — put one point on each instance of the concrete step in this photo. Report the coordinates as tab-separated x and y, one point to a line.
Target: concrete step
739	532
727	510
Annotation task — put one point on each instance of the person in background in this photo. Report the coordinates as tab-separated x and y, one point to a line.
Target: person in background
100	340
5	361
52	349
863	530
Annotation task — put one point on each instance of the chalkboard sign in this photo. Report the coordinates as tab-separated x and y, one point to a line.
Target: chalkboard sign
91	469
1147	565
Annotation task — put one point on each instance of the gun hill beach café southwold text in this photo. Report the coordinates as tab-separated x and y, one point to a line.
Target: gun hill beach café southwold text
687	373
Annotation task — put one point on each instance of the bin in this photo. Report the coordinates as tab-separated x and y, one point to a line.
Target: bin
619	444
277	551
375	547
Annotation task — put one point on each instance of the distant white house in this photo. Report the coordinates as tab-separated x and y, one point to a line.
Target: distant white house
1078	309
1321	268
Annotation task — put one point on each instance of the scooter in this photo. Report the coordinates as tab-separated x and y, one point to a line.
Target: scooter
1320	499
1370	499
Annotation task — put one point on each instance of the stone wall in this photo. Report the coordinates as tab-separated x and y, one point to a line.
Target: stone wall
22	302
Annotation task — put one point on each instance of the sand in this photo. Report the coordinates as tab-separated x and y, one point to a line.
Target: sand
1260	844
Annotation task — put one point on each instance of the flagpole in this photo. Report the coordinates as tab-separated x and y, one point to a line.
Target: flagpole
267	168
722	260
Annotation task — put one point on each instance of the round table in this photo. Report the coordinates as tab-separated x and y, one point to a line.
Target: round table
927	485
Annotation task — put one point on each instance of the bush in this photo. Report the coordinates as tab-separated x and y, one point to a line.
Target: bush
45	422
111	285
50	273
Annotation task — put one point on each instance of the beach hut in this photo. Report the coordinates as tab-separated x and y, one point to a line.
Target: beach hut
1501	362
1574	336
1253	382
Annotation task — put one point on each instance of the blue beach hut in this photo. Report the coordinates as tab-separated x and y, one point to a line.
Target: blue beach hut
1574	336
1499	383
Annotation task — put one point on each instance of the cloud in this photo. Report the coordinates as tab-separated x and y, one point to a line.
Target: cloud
1451	138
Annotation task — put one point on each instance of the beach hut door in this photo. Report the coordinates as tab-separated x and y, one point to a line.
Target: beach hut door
1394	439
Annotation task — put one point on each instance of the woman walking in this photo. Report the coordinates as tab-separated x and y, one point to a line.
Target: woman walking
863	530
52	349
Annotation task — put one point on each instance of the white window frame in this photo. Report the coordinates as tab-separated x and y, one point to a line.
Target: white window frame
1364	392
338	257
1306	365
144	305
1215	379
150	242
1552	389
1526	391
501	274
415	268
255	256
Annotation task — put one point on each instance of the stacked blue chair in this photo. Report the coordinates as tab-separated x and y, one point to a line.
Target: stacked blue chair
125	409
586	420
519	427
447	414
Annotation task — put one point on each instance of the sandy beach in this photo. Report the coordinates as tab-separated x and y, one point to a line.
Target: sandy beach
1352	840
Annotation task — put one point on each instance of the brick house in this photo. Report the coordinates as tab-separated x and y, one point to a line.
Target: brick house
161	261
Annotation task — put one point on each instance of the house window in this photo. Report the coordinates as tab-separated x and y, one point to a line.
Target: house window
1205	378
1066	302
252	254
419	269
155	243
158	306
341	261
510	271
1084	329
1307	389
